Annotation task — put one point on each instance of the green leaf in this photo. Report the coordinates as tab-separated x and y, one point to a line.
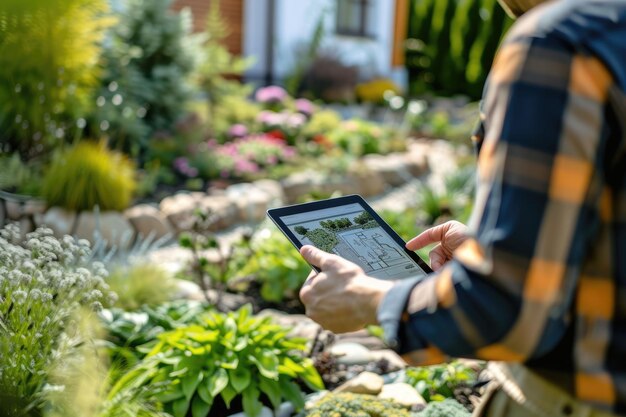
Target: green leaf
180	407
267	363
272	390
292	393
251	404
199	407
311	377
244	313
190	382
213	385
240	378
228	393
231	361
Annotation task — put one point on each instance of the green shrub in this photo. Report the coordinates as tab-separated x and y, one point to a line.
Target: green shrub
436	383
88	174
356	405
469	31
18	177
359	137
141	284
226	355
148	65
49	50
276	264
445	408
322	123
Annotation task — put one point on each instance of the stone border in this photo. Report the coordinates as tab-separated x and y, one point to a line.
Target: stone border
369	176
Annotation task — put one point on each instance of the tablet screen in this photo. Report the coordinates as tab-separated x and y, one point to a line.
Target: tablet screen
353	233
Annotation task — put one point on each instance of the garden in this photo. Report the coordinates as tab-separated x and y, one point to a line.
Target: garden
138	273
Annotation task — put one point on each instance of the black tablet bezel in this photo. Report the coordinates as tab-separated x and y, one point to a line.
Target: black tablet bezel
275	215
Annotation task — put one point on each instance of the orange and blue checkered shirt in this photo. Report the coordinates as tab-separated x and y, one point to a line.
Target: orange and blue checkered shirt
542	280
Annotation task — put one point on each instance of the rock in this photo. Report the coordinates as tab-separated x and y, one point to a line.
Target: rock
111	226
61	221
179	209
392	168
416	163
364	383
402	393
351	353
273	189
362	337
265	412
187	290
300	183
394	360
14	209
368	182
149	221
286	409
34	208
224	210
251	202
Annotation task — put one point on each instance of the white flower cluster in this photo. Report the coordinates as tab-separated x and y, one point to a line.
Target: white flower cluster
43	284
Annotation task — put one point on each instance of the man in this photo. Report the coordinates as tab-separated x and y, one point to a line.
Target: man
538	281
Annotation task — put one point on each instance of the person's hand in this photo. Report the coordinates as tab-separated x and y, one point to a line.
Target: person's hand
448	236
341	297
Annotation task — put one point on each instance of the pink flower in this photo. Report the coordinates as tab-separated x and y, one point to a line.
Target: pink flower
271	94
237	130
305	106
296	120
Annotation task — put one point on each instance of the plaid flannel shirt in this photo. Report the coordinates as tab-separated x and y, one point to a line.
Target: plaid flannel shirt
542	280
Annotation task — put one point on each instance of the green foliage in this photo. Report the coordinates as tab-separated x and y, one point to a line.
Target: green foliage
452	43
436	383
363	218
359	137
45	284
140	284
217	62
446	408
227	355
148	65
88	174
208	274
18	177
275	264
322	239
322	123
48	55
233	110
126	331
356	405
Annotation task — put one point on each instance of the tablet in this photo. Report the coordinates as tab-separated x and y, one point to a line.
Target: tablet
349	227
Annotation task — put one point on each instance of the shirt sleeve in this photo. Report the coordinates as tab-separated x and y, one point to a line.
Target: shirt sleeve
508	291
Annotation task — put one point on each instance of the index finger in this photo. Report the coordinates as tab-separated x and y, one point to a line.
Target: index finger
313	255
427	237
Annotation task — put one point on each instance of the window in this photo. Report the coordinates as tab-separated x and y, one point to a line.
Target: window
352	17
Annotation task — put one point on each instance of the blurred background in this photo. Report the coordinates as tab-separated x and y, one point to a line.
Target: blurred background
110	103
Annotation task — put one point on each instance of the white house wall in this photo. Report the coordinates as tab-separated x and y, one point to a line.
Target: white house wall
295	21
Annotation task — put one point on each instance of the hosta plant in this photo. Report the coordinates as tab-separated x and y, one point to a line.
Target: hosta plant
224	357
